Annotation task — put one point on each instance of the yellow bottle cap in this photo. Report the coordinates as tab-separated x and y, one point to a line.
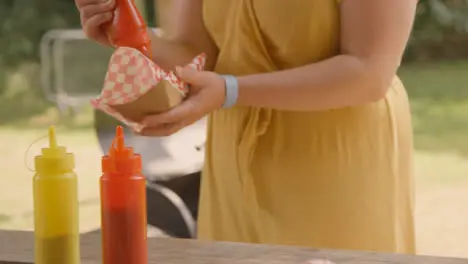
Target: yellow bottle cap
54	159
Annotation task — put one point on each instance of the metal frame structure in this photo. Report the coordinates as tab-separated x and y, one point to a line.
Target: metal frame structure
51	52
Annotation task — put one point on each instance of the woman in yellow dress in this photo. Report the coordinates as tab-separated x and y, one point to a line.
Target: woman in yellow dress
311	142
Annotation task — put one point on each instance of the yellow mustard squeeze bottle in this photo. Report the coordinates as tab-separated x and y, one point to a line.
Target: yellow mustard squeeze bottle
56	227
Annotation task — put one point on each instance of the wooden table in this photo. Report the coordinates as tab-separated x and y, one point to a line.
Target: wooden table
16	247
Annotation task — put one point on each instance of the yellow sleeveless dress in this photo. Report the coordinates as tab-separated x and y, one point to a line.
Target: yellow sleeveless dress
333	179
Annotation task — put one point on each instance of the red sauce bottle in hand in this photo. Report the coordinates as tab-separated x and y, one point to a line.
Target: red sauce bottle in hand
128	28
123	205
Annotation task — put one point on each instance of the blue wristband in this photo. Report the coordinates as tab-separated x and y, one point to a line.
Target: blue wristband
232	90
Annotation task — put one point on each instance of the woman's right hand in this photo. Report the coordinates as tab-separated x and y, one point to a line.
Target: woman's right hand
93	14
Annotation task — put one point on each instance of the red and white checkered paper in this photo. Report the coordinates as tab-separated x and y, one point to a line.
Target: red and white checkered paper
131	74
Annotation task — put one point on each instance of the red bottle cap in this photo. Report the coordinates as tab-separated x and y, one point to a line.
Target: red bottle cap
121	159
128	28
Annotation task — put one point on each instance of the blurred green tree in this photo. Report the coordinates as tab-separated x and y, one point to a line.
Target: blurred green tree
440	30
22	24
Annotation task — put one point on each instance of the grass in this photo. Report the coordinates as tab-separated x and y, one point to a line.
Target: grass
439	103
439	100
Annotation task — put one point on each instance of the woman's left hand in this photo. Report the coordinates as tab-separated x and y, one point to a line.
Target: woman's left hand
207	93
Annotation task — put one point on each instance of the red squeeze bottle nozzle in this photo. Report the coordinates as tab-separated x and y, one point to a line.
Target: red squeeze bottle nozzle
123	205
120	157
128	28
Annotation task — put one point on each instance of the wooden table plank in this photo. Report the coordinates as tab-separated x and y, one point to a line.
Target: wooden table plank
16	247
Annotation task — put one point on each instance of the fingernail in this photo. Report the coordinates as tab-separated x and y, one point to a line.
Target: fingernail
178	70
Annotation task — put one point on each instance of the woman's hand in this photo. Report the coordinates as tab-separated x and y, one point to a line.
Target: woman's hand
93	14
207	93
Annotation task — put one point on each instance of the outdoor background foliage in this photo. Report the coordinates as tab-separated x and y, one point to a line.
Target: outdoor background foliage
441	30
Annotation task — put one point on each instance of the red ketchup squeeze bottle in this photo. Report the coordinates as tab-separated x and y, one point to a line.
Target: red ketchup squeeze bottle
123	205
128	28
